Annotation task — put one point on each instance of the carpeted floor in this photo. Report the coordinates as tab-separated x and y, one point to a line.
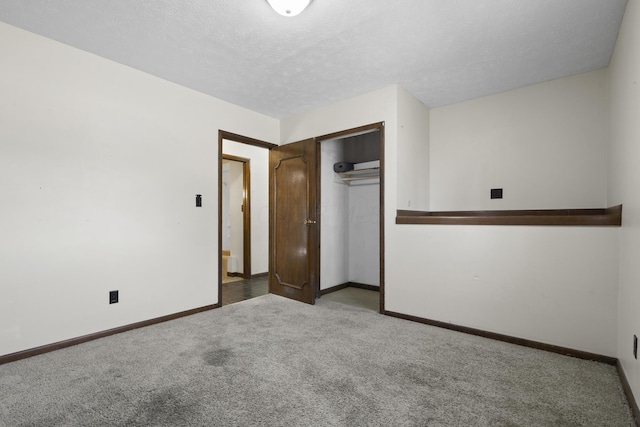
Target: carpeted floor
355	296
270	361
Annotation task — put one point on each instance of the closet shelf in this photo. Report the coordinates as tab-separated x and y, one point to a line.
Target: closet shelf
359	174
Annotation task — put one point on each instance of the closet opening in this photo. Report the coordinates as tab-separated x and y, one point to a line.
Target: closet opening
351	216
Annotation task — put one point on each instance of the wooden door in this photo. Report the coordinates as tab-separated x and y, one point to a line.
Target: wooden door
293	225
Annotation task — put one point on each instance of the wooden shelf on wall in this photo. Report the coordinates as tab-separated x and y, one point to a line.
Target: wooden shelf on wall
560	217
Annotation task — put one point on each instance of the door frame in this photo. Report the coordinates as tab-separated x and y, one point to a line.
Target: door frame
222	135
246	212
230	136
379	126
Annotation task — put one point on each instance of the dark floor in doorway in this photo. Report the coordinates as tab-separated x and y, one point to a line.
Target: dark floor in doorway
245	289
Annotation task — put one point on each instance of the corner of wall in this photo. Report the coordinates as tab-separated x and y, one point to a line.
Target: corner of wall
413	153
623	179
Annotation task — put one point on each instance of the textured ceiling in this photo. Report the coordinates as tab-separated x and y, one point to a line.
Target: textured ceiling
442	51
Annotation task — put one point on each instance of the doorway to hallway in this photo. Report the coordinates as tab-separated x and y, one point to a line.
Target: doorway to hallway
243	217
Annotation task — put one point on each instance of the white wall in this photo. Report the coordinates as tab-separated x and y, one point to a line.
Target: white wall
377	106
259	164
555	285
350	221
334	218
413	153
545	145
103	163
624	181
99	166
236	217
226	218
364	233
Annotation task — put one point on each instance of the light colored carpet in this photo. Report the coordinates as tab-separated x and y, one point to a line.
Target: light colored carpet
270	361
356	297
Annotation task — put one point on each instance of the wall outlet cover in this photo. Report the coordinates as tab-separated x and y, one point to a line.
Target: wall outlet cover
113	297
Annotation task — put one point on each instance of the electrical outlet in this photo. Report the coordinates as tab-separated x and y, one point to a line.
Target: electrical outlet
113	297
635	347
496	193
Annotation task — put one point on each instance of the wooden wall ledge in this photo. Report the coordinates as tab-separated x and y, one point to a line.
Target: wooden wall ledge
565	217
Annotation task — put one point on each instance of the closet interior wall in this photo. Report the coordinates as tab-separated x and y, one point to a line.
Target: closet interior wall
350	215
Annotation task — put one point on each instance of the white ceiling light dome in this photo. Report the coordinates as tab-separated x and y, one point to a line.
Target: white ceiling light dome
289	7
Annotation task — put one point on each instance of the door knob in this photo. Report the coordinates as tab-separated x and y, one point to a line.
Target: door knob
308	221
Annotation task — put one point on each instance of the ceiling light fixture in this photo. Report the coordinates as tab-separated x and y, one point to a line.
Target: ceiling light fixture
289	7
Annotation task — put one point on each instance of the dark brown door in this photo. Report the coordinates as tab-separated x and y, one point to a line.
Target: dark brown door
293	228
